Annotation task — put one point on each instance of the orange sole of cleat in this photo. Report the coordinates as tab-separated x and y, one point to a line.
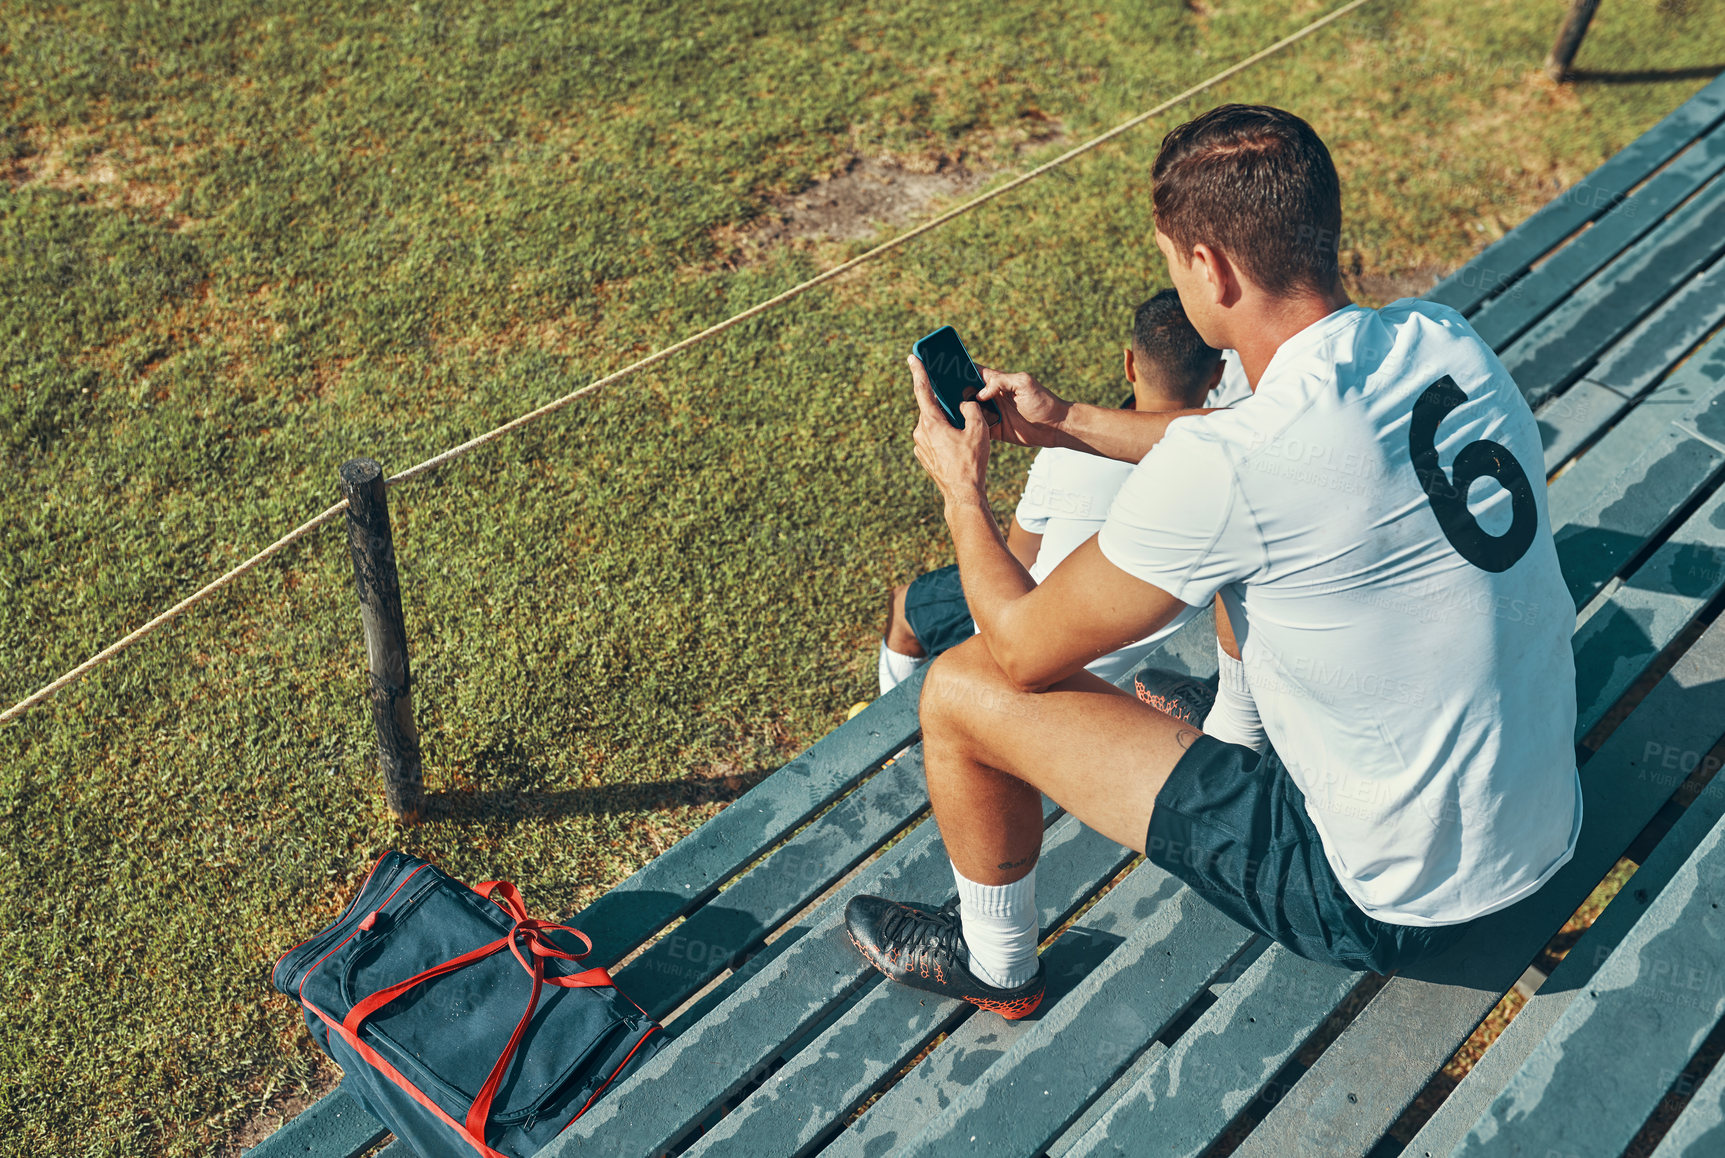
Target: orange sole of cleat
1011	1010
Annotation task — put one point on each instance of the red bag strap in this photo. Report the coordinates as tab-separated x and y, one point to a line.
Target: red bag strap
507	897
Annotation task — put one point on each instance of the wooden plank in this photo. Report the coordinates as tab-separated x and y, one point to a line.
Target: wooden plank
1699	1131
1507	258
335	1126
1614	646
1646	352
1685	396
1590	1084
1446	1128
1628	486
716	935
979	1042
1569	420
1191	650
1068	1141
683	876
1361	1084
1046	1078
1627	369
1508	315
1559	349
660	1103
1217	1067
827	1079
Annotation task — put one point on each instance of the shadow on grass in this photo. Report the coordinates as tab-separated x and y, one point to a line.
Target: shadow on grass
1645	75
513	805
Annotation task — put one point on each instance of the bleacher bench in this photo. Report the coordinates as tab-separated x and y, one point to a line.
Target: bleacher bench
1166	1026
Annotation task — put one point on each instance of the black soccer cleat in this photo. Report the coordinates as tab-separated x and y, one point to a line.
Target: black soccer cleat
924	948
1186	699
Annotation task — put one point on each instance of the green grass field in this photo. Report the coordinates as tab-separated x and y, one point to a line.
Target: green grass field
244	242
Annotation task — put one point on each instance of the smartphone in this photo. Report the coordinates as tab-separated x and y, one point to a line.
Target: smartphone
953	375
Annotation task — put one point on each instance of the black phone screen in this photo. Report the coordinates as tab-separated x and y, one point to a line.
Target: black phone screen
952	374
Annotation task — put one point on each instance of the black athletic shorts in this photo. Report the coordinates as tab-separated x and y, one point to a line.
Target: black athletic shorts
934	607
1232	824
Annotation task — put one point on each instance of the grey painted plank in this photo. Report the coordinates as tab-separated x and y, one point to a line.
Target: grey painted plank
1506	316
1046	1078
1567	421
1068	1141
660	1103
1699	1131
1345	1102
335	1126
978	1042
738	919
680	878
1559	349
1188	1097
1685	396
835	1073
1644	354
1451	1121
1504	260
1656	603
1625	489
1604	1066
1638	360
1191	650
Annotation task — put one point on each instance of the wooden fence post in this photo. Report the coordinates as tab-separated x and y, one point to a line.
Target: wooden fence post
379	590
1569	39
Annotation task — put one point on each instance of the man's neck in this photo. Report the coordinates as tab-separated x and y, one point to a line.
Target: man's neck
1269	322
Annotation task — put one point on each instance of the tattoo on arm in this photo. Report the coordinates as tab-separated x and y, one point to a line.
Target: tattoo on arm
1012	864
1184	737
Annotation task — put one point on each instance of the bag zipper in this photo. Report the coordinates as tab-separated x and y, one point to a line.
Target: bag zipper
307	948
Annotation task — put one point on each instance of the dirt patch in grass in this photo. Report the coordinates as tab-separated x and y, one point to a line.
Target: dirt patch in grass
866	194
106	173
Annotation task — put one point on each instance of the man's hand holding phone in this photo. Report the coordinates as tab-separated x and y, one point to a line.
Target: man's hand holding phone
957	460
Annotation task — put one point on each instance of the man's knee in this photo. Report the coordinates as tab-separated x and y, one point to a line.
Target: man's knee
963	684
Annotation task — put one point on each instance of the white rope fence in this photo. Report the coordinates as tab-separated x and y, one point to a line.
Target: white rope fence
454	452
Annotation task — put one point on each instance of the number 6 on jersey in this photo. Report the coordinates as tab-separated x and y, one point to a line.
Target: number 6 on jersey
1477	460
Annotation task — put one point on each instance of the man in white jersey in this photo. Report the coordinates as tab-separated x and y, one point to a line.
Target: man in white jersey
1393	612
1067	496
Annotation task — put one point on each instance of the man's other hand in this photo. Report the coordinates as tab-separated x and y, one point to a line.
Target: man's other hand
957	460
1030	414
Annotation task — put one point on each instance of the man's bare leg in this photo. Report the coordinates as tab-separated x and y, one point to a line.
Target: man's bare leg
991	750
901	653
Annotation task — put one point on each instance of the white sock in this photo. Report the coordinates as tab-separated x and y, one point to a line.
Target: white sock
1000	927
1234	718
896	667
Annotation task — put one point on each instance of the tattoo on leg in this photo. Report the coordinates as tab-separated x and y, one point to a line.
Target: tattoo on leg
1184	737
1012	864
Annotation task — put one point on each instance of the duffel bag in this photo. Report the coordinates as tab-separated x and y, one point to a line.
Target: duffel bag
462	1024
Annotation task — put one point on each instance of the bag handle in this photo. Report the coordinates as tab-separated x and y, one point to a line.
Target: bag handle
507	897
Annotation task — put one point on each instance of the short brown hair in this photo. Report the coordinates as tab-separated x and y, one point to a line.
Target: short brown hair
1258	184
1164	337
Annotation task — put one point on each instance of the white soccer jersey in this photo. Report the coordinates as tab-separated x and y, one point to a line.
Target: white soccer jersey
1066	499
1374	517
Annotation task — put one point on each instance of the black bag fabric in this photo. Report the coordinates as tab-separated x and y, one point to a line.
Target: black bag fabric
462	1024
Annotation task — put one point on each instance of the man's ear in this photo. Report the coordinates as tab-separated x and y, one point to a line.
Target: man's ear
1131	368
1217	276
